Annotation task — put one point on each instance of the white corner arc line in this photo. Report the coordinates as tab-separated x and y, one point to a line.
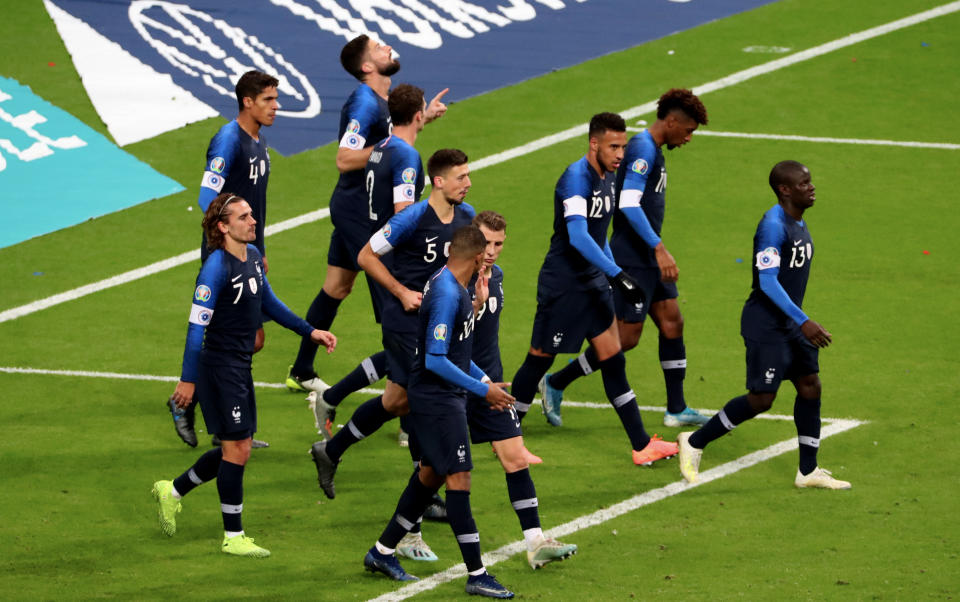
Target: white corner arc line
540	143
616	510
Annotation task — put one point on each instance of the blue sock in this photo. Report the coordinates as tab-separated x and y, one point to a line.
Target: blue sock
203	470
413	501
806	417
736	411
613	370
320	315
673	361
366	419
368	372
523	497
464	527
585	364
525	382
230	487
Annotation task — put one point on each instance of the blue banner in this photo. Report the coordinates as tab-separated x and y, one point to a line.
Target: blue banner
56	172
470	46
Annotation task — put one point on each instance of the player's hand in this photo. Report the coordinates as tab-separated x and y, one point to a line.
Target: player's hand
666	263
327	339
266	266
629	287
816	334
482	292
183	394
498	398
436	108
410	299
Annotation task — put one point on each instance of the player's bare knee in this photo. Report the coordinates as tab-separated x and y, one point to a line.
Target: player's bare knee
458	481
808	387
761	402
429	478
630	334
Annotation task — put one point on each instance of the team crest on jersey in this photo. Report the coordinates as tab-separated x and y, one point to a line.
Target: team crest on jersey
768	258
354	126
253	284
440	332
409	175
217	164
640	166
202	293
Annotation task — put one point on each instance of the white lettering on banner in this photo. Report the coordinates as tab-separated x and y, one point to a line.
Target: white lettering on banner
25	122
414	22
197	55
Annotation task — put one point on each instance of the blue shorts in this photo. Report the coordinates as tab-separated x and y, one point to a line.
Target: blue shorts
653	288
401	350
345	244
565	319
768	364
442	435
487	424
226	398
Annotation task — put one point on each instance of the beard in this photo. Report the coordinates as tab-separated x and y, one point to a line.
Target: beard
390	69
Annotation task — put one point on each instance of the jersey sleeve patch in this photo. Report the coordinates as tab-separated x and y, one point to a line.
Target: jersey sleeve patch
203	293
440	332
352	140
640	166
353	127
575	205
409	175
212	181
404	193
768	258
200	315
217	165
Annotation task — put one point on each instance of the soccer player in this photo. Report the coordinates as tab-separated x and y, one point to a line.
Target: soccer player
781	341
232	291
574	298
394	179
364	121
636	243
238	161
417	239
441	376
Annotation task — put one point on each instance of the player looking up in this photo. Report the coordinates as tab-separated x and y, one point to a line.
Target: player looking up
364	121
574	300
441	376
238	161
781	341
231	292
636	243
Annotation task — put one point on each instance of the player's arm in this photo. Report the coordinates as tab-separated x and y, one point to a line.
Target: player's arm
406	172
350	159
209	282
575	216
281	314
220	155
769	241
396	230
436	108
353	152
629	203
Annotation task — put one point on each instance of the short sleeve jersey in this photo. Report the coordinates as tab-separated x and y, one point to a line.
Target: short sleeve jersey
227	300
394	175
486	333
784	245
445	327
238	164
364	121
579	192
641	182
419	244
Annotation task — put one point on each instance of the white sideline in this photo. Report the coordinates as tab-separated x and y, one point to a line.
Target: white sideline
833	427
540	143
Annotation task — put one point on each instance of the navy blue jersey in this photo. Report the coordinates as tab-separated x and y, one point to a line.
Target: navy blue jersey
420	244
364	121
641	182
444	328
226	311
782	246
238	164
394	175
486	334
579	192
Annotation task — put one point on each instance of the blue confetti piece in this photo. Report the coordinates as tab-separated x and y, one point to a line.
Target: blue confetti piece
739	260
38	273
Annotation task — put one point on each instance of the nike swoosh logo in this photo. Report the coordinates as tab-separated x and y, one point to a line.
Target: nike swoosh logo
597	192
797	242
237	277
432	239
252	159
